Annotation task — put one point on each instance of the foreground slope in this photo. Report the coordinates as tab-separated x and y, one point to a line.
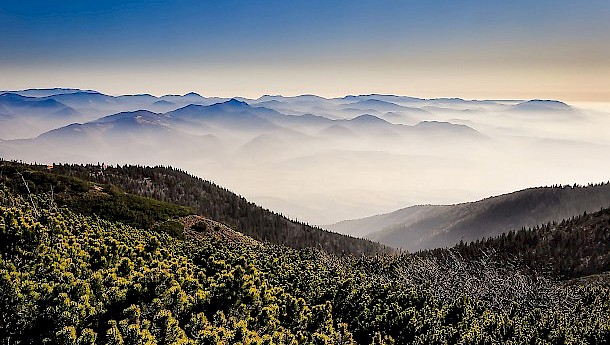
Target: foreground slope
75	279
429	226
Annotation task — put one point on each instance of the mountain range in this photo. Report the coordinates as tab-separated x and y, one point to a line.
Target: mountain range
317	159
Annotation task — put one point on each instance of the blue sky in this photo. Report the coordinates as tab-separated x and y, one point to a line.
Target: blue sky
472	49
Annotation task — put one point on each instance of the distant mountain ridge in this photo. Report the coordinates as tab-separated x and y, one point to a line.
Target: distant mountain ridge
434	226
27	116
542	105
229	120
46	92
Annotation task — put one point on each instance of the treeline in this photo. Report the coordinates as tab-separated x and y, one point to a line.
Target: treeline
578	185
571	248
210	200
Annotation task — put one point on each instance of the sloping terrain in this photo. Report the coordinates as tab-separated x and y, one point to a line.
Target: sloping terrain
574	247
168	188
425	227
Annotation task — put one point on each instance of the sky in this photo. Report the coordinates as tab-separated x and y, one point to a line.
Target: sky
470	49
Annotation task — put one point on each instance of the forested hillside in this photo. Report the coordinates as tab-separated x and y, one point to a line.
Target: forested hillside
69	278
105	201
570	248
436	226
175	187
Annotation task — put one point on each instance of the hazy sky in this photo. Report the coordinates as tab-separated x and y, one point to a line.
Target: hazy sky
471	49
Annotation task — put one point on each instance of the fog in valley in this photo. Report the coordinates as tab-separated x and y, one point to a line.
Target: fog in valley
315	159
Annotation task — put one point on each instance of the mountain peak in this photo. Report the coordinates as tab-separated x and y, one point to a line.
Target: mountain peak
192	94
550	102
234	103
372	101
367	118
12	95
127	115
542	105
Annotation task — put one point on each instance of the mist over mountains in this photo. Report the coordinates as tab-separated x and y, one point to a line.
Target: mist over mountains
317	159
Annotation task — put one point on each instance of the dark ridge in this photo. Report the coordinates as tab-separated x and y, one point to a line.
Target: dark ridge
207	199
571	248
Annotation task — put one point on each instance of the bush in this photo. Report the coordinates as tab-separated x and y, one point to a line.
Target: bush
171	227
